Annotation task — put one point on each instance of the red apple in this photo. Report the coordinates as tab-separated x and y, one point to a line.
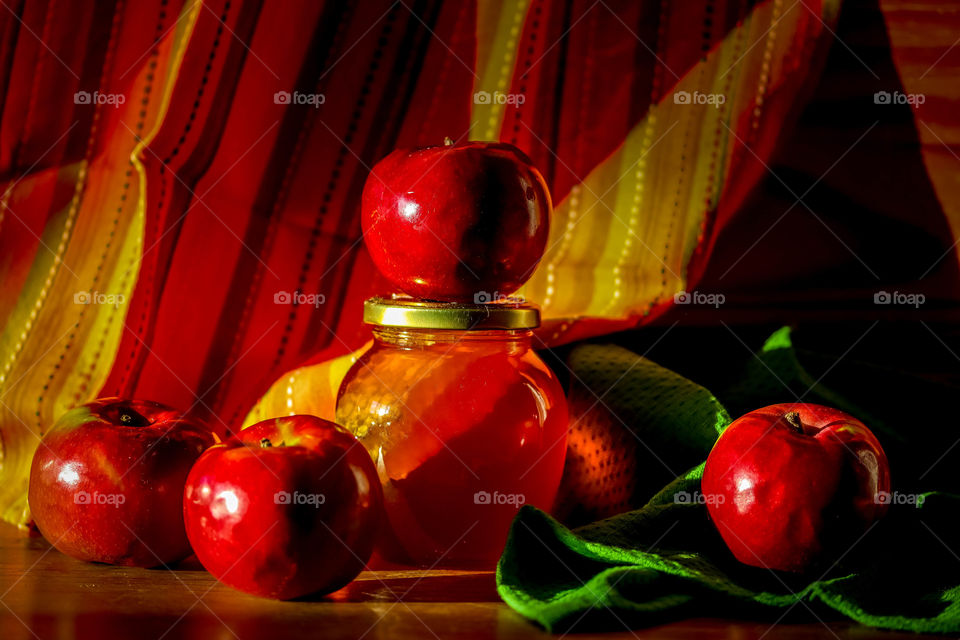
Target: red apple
107	480
288	507
791	485
460	222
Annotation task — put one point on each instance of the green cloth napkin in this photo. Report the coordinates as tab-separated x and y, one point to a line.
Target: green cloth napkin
666	561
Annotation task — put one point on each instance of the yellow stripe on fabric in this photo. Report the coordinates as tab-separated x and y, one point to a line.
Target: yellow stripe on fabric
97	353
627	225
29	343
499	27
621	240
308	390
117	236
61	340
714	140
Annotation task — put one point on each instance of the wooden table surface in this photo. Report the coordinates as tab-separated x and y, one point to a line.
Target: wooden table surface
45	594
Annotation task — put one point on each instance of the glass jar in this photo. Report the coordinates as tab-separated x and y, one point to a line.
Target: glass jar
464	422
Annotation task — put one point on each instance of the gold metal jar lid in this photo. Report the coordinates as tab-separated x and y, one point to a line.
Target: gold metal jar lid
404	311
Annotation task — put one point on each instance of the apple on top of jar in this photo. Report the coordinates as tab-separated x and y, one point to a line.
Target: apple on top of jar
456	223
464	421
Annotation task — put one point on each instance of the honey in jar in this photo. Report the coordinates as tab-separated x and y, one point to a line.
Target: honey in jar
464	422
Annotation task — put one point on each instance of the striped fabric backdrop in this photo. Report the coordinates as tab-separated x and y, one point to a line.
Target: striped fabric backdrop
169	167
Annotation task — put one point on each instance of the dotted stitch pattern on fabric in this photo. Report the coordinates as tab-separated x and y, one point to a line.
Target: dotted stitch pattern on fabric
619	454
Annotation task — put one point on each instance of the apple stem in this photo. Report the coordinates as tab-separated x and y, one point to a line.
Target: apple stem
130	418
265	443
447	141
793	419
